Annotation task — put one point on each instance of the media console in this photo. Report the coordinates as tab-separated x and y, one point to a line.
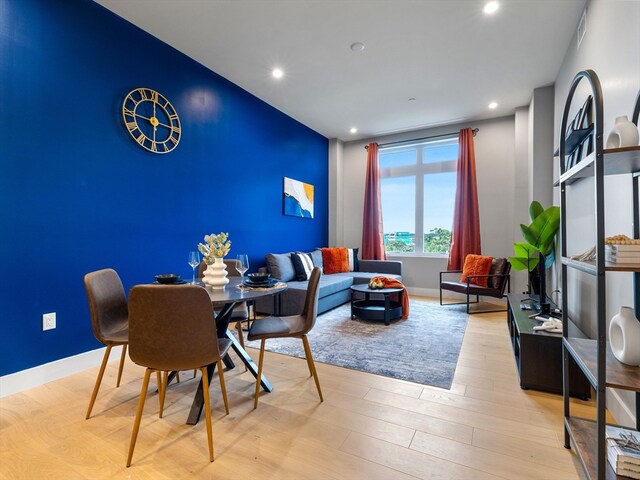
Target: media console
538	354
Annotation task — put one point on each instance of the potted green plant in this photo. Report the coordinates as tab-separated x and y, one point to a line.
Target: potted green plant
540	238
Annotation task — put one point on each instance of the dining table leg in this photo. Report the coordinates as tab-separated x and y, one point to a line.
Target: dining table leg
222	327
198	400
248	361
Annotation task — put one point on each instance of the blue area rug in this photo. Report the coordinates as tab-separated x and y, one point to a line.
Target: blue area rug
422	349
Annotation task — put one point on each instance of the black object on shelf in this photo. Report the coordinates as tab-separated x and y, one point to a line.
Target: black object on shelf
575	139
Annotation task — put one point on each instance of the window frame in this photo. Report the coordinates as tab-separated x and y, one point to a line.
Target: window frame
418	171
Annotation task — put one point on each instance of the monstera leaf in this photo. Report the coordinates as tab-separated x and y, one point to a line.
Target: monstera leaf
526	257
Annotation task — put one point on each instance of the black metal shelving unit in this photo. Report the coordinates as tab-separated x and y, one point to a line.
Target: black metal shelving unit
594	356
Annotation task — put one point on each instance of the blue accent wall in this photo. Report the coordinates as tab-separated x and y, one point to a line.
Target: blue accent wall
78	194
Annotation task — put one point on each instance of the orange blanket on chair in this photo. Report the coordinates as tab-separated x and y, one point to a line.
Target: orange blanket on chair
386	282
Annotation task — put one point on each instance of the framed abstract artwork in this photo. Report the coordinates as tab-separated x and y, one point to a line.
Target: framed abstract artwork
298	198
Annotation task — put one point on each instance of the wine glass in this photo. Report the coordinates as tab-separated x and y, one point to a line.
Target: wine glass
194	261
242	265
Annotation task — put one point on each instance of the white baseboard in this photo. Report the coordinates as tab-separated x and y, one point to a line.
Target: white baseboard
423	292
48	372
446	295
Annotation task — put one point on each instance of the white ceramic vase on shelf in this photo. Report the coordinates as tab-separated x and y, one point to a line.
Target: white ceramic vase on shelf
624	336
215	275
624	134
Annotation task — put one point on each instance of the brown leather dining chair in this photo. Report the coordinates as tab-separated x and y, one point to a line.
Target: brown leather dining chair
109	319
171	328
296	326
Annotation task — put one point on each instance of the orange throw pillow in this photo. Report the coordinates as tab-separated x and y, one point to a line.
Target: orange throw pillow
335	260
476	265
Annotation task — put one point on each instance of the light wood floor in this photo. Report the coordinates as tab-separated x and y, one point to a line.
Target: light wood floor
368	427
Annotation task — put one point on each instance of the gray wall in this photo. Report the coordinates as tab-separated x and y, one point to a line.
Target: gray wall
611	47
495	152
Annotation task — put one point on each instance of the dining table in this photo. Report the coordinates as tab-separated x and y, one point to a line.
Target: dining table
224	300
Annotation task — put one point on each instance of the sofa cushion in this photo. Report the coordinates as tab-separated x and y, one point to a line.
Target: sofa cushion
316	256
302	264
335	260
328	284
280	266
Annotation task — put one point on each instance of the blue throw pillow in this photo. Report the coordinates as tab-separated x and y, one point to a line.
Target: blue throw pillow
280	266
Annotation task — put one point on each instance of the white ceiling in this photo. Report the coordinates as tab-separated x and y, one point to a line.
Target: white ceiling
446	54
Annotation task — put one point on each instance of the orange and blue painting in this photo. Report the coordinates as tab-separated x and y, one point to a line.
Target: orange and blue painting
298	198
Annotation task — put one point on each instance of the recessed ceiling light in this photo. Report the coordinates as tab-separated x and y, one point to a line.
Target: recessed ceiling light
357	46
353	130
277	73
491	7
493	105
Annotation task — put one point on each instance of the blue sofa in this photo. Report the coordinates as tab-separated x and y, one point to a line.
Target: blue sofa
334	288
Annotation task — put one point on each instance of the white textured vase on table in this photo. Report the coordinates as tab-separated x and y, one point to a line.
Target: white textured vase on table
215	275
624	134
624	336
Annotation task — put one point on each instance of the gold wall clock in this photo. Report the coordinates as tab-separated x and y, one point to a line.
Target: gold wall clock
151	120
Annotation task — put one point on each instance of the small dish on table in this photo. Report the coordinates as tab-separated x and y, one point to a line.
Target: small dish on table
168	279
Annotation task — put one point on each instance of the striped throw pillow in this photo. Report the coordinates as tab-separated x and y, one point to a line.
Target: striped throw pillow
352	256
303	265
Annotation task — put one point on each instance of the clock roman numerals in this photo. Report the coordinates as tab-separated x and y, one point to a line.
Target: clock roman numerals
151	120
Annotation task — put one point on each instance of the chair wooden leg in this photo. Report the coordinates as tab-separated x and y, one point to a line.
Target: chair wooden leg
259	376
96	387
122	357
207	410
223	387
312	365
240	334
136	423
240	338
162	390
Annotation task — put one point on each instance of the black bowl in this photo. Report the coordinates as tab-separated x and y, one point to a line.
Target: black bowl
168	278
258	277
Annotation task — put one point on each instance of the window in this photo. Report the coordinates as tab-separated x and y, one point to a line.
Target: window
418	188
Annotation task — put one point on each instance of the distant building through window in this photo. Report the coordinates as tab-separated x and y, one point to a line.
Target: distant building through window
418	187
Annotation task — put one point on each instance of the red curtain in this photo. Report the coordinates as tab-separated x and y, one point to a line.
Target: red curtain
372	234
465	235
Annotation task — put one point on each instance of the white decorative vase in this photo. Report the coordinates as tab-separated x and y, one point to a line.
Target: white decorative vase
624	134
215	275
624	336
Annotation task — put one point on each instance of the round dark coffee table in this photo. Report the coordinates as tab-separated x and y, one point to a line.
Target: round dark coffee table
375	309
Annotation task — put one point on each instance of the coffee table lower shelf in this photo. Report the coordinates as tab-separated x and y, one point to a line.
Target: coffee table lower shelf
375	310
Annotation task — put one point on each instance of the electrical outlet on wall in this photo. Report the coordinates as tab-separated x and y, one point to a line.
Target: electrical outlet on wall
49	321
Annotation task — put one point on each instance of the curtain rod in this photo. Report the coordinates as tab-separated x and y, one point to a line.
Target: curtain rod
475	130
